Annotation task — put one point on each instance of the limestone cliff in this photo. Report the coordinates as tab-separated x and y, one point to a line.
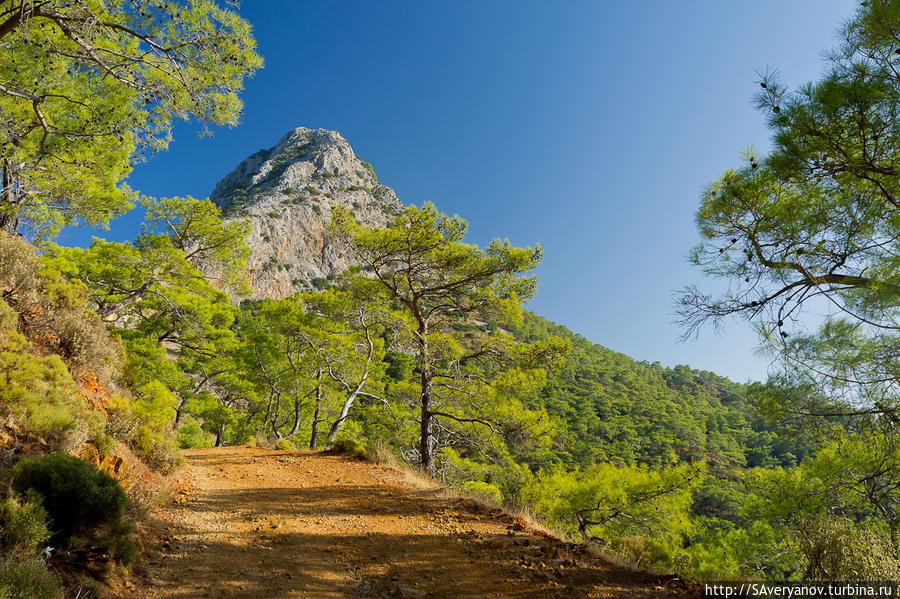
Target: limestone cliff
288	193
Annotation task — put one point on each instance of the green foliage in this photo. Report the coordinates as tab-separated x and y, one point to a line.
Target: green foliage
37	391
8	317
808	223
158	278
144	423
723	552
350	447
161	288
192	435
483	491
206	241
610	406
812	224
27	578
146	362
51	310
23	525
454	284
86	507
154	441
616	505
90	87
24	533
370	170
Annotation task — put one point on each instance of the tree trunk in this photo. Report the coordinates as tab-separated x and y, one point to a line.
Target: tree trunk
314	435
268	411
107	311
219	432
426	431
345	411
426	428
339	423
294	428
179	410
9	213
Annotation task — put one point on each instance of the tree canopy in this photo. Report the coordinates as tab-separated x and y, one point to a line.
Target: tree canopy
446	286
807	238
814	226
89	87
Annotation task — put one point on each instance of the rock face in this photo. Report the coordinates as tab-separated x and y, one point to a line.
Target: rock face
288	193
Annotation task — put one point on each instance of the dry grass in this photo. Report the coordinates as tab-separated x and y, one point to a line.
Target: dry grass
518	511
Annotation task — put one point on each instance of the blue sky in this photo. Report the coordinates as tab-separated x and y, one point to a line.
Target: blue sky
590	127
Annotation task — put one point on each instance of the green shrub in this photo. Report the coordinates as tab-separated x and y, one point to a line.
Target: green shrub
370	169
642	552
53	309
97	434
38	391
484	491
121	423
86	507
158	449
191	434
837	549
382	453
350	447
23	525
143	423
27	578
8	317
18	272
84	342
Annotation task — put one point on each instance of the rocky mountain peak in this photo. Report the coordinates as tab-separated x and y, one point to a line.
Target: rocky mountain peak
288	192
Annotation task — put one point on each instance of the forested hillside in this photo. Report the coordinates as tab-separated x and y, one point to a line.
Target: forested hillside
612	407
334	317
642	459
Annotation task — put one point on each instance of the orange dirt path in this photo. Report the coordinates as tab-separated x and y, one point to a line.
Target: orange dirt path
265	524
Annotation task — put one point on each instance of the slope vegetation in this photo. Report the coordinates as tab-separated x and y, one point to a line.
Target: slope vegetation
612	407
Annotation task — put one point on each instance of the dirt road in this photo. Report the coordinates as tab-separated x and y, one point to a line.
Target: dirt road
264	524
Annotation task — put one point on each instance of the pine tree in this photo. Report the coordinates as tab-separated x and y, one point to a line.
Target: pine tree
87	88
